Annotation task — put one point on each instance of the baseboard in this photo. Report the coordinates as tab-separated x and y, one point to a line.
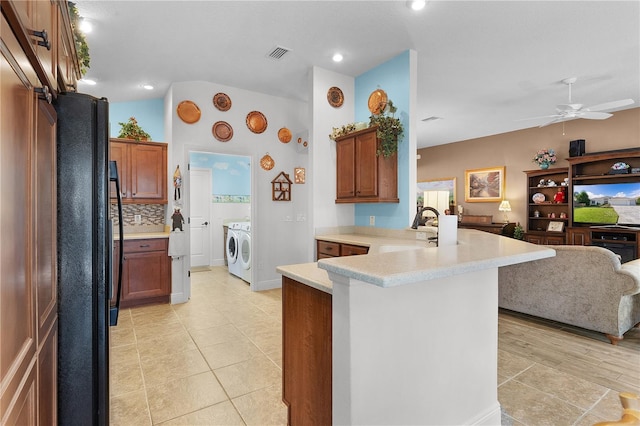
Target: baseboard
267	285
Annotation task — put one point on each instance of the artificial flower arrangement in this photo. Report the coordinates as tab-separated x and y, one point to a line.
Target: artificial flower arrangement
545	157
619	168
132	130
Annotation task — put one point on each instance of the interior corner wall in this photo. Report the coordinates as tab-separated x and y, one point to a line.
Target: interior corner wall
515	151
326	213
148	114
395	78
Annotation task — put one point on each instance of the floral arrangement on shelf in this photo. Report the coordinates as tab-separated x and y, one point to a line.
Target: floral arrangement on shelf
132	130
82	48
390	129
544	158
343	130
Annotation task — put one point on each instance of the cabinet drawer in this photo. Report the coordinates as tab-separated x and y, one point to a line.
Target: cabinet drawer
349	250
153	244
330	249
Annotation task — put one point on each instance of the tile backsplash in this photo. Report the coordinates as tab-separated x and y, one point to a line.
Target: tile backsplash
151	215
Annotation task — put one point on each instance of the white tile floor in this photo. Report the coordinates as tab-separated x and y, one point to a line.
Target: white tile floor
217	360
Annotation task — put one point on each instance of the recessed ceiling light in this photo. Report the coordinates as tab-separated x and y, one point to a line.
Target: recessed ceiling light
85	26
416	4
88	81
147	87
337	57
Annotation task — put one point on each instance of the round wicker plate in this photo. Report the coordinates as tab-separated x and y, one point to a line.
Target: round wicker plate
266	162
284	135
188	112
377	101
222	131
222	101
256	122
335	97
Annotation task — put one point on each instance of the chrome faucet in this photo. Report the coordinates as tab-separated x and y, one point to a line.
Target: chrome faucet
416	221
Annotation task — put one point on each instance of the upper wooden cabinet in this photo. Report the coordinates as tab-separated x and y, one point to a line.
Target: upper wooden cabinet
142	167
362	175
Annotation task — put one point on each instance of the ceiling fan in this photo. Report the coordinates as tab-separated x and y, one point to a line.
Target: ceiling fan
570	111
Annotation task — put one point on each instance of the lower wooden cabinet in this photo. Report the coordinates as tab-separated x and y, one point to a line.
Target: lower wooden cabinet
306	353
545	239
325	249
578	236
146	274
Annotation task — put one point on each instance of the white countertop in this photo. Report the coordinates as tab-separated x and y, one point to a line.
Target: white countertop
140	235
476	250
396	261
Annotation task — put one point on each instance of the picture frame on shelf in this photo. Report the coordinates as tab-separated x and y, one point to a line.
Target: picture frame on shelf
555	226
484	185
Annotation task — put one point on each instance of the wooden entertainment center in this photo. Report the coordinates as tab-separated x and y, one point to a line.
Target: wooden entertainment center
544	207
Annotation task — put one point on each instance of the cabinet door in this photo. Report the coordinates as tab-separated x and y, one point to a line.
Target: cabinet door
555	240
578	237
119	152
366	165
44	212
17	300
46	20
145	275
148	172
534	239
66	70
48	377
345	160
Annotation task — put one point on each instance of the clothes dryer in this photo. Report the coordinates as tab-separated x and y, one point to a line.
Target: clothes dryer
244	252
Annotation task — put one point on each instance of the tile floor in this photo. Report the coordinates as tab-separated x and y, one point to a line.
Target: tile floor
217	360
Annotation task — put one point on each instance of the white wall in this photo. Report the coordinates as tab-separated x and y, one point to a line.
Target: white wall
273	238
326	213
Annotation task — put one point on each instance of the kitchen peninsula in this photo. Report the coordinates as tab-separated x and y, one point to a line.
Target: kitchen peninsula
412	337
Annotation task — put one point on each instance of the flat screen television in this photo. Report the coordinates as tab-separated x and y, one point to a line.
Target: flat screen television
608	204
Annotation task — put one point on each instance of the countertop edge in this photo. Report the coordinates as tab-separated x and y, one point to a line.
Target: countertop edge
308	274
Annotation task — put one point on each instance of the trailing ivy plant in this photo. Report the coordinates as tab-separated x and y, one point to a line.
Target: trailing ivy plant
389	131
82	48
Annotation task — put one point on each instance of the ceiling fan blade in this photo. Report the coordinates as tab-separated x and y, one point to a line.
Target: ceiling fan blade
609	105
568	107
537	118
591	115
555	120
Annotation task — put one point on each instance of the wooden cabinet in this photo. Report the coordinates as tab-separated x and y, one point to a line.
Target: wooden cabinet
146	273
142	167
325	249
361	175
543	206
28	260
578	236
306	353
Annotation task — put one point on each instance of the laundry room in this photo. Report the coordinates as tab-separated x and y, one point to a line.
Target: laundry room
219	199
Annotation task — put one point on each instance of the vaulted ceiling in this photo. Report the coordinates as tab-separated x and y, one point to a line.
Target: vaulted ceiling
482	65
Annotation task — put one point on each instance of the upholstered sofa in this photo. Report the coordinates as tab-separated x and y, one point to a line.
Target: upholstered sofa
584	286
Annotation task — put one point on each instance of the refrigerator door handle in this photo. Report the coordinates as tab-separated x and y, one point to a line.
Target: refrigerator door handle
115	310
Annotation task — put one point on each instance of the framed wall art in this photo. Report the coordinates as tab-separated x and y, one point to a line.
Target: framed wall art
484	185
554	226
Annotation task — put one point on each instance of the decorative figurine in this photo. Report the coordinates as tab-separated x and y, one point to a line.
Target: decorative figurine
551	183
177	218
559	197
541	184
565	182
177	184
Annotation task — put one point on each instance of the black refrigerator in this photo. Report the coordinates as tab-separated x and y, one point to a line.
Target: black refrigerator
85	259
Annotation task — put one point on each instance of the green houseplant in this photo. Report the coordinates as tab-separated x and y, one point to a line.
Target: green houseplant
131	130
390	129
518	232
82	48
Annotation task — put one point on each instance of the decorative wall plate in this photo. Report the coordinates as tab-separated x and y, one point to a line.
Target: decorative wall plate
377	101
222	101
256	122
222	131
335	97
538	198
188	112
266	162
284	135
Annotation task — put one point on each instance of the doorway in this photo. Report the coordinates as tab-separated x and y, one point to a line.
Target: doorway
200	213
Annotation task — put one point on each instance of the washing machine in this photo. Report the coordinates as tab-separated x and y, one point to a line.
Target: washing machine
233	248
244	252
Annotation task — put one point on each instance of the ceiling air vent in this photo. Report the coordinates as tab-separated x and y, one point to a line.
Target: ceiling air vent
278	52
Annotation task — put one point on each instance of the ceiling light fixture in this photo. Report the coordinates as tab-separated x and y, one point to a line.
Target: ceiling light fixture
337	57
147	87
88	81
85	26
416	4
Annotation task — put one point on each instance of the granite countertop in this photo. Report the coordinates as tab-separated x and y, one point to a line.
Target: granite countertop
397	261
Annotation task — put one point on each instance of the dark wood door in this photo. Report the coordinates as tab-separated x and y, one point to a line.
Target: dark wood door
119	152
148	172
366	165
345	173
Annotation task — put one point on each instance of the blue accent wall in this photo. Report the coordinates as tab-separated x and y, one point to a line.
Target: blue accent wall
149	114
393	77
231	174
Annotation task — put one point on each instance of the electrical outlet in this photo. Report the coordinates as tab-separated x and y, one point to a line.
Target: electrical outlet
421	236
137	219
372	221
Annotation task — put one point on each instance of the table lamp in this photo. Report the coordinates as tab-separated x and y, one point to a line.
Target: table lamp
505	207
